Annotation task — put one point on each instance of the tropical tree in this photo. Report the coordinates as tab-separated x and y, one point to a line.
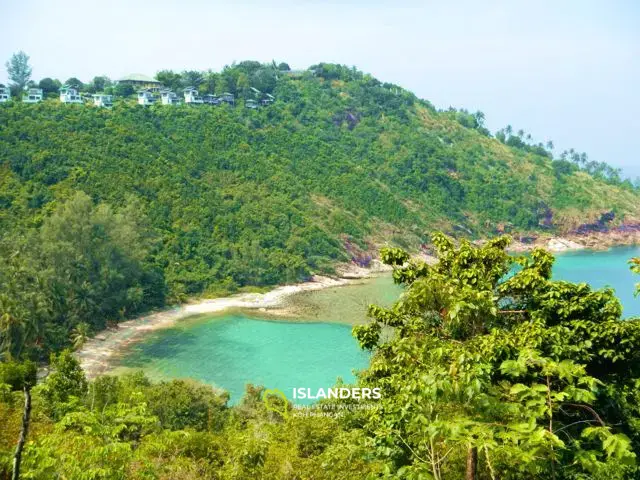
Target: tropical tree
19	376
501	376
19	70
49	86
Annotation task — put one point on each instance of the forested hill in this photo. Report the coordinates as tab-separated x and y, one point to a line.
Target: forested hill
339	164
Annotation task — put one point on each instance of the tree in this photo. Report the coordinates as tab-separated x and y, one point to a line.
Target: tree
508	376
480	118
20	376
18	70
124	90
99	84
49	86
64	383
94	257
74	83
170	79
191	78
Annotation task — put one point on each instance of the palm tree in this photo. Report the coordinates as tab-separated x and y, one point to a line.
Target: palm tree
80	334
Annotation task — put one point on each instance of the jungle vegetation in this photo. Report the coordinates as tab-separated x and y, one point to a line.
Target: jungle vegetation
106	213
486	376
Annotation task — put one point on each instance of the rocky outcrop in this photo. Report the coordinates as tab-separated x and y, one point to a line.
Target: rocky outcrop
558	244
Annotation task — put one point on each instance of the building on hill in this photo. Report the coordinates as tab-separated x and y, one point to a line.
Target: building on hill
227	97
102	100
169	98
141	82
267	99
33	95
250	103
69	95
211	99
191	96
145	97
5	94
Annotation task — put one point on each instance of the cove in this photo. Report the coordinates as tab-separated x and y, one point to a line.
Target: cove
314	349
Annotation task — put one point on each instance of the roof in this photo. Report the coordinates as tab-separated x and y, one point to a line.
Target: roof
137	77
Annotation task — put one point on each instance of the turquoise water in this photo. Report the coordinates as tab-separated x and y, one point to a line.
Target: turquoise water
237	348
233	350
603	269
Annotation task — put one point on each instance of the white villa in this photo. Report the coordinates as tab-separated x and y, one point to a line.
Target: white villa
251	104
145	97
69	95
191	96
5	94
102	100
169	98
33	95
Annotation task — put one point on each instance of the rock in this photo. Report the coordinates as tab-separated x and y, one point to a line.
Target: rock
562	245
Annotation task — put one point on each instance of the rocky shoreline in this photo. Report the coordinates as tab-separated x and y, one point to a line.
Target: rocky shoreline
96	354
595	240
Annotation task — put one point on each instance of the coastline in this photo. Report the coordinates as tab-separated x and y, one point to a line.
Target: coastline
573	242
96	354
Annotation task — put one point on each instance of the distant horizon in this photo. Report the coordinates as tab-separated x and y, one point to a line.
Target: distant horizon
566	73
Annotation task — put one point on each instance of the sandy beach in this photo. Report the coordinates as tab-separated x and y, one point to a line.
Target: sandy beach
96	354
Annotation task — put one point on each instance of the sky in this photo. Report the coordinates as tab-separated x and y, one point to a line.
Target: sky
562	70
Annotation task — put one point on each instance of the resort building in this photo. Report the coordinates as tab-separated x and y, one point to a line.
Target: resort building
33	95
211	99
169	98
250	104
139	81
191	96
145	97
69	95
227	97
5	94
102	100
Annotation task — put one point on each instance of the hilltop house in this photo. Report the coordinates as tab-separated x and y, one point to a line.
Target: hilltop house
145	97
211	99
191	96
141	82
169	98
69	95
5	94
250	104
267	99
33	95
102	100
227	97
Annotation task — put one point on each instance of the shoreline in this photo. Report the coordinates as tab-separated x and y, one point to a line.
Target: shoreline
96	354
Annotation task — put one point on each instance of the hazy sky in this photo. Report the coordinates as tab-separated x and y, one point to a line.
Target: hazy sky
562	70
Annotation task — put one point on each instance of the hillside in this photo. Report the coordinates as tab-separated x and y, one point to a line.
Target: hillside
340	164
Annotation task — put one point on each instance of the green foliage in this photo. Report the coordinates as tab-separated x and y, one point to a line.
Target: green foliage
65	383
19	70
540	378
18	375
83	266
535	374
238	197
